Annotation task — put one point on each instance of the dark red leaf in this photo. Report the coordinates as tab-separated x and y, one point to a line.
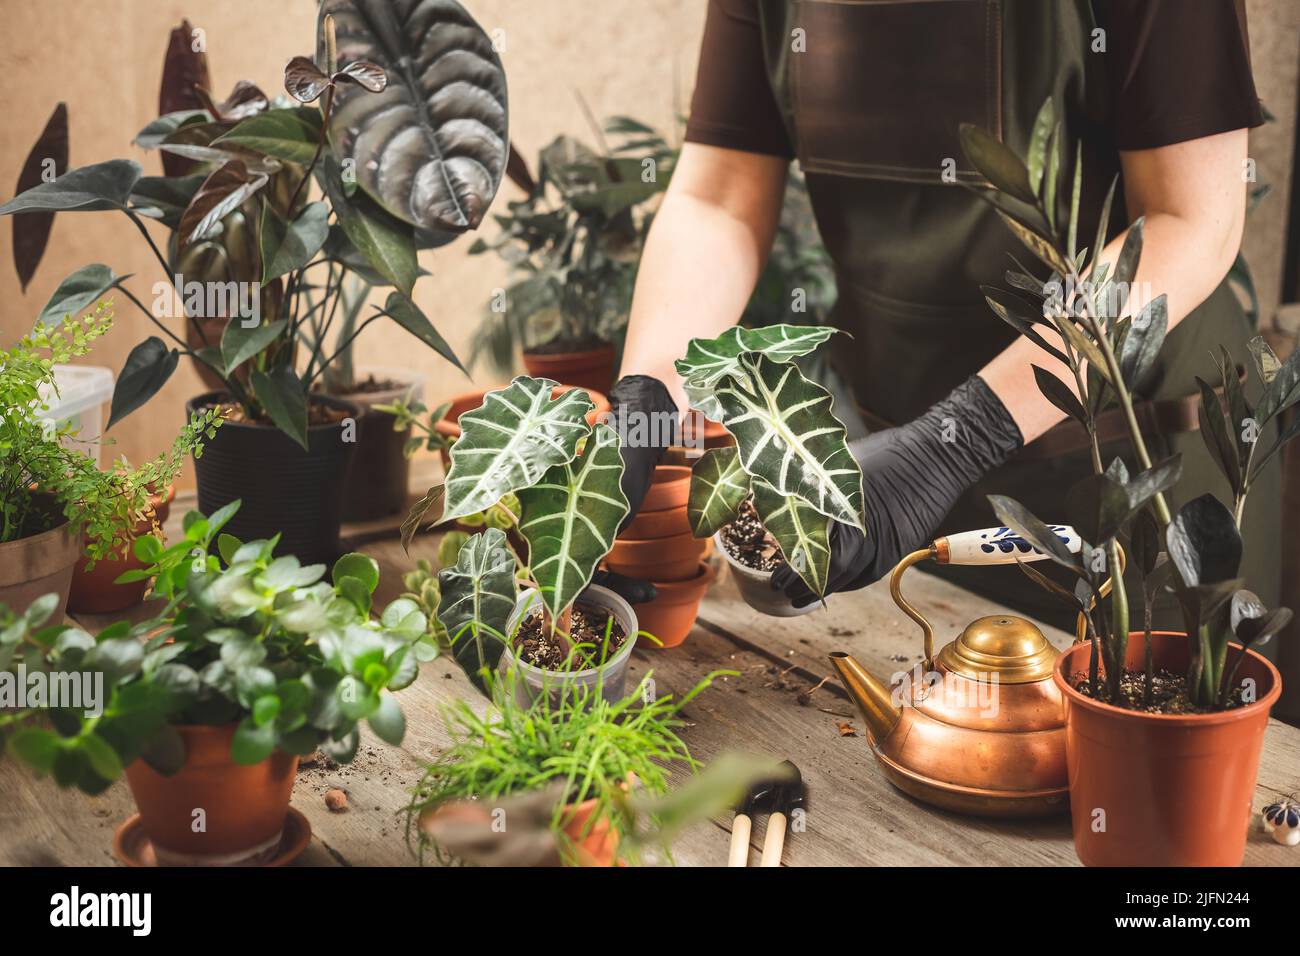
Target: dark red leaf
304	80
517	170
184	70
367	75
221	193
245	100
32	232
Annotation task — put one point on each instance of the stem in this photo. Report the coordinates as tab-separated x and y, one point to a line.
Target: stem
154	319
324	135
1119	623
167	271
1149	664
350	338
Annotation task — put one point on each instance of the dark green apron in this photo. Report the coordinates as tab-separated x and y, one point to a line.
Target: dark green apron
872	93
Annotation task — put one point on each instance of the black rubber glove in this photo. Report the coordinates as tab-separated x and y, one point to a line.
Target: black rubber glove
640	408
912	475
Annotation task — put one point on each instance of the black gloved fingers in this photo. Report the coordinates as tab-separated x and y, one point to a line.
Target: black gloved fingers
632	590
645	417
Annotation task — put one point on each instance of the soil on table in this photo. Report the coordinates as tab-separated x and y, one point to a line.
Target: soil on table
318	413
1168	693
561	346
537	646
748	542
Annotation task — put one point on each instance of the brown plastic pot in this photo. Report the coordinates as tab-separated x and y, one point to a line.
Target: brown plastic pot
1162	789
39	564
592	369
96	591
671	615
670	487
449	428
658	524
657	559
244	807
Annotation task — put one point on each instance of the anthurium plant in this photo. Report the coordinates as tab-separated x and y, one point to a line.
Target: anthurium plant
244	636
1075	315
791	455
528	442
46	471
248	242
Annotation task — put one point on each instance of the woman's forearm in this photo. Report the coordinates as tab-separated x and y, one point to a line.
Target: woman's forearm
706	248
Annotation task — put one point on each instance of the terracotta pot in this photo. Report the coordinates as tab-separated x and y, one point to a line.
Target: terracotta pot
756	587
96	591
670	487
39	564
594	843
657	524
657	559
1170	789
449	429
592	369
244	807
671	615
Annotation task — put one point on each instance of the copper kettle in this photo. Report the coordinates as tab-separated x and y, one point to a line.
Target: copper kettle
979	727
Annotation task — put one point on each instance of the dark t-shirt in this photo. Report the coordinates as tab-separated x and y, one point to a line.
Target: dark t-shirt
1177	70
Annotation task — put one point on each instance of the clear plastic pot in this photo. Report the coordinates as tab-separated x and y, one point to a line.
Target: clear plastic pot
533	681
756	588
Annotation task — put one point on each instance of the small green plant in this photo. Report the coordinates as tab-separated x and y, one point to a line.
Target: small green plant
791	453
44	471
578	748
245	637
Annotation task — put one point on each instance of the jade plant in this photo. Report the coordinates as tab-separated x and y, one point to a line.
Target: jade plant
248	244
1107	355
791	457
45	468
525	441
244	637
536	762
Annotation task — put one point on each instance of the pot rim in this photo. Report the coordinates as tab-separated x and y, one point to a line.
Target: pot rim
602	350
703	579
451	429
1248	712
667	541
525	603
735	564
410	382
216	395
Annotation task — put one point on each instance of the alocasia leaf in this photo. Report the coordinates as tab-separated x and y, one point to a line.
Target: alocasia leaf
49	154
570	519
787	436
511	440
718	486
801	531
478	597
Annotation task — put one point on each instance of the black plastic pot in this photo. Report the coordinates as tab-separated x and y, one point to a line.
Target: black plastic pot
284	489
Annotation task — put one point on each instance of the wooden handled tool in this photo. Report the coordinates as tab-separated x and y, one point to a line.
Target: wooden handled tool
777	797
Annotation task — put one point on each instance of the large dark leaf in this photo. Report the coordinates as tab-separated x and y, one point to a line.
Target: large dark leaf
289	246
997	163
478	598
281	394
147	369
240	343
156	132
1140	347
165	198
185	72
432	147
78	291
1203	542
105	185
1145	548
408	315
1218	434
1252	622
290	135
1021	520
224	191
49	155
386	243
1099	506
1060	395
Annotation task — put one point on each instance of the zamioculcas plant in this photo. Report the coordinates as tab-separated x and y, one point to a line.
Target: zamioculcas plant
1107	355
790	456
565	474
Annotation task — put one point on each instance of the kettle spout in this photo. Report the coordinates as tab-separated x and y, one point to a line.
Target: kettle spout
871	696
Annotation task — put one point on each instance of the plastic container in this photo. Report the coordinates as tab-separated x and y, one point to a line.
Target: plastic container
756	588
534	681
79	400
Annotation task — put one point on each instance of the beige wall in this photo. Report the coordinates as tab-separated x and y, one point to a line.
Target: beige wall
625	56
104	57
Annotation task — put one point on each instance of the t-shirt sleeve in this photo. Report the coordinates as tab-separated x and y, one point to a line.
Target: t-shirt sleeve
1176	71
733	106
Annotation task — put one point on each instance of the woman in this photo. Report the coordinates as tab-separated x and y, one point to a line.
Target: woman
868	96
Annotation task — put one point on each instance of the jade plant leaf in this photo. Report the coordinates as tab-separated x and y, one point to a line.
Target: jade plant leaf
718	486
570	519
708	361
48	154
802	532
787	436
511	440
431	148
478	598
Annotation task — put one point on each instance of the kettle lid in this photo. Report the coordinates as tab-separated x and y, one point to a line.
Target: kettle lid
1002	644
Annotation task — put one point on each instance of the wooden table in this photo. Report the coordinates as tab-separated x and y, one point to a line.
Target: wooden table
778	706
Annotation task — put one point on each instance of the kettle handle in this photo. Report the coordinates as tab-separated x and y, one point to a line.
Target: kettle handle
987	546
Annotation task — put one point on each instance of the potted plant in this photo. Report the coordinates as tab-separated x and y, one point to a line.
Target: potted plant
60	512
560	631
1163	730
254	661
257	161
577	774
573	246
772	496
